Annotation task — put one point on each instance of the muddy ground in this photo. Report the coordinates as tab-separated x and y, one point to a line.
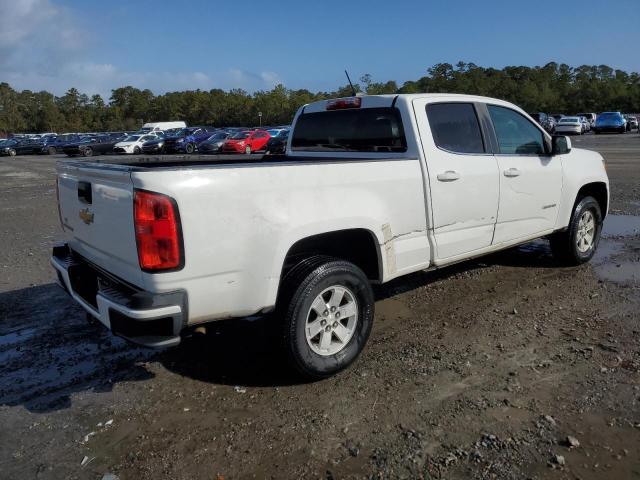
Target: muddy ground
482	370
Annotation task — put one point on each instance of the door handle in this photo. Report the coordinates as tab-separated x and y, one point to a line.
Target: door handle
448	176
512	172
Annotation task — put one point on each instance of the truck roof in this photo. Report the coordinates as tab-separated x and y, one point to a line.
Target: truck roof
381	101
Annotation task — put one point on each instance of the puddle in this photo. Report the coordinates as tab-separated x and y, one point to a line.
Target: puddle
621	226
612	261
624	271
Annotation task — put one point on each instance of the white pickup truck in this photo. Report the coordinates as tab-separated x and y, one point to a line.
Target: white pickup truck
370	188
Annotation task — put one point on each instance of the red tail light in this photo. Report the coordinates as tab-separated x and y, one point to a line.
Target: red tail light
158	233
344	103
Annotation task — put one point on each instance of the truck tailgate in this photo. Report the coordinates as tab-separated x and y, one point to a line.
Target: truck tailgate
96	210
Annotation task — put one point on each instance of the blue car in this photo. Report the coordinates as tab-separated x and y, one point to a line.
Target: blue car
187	139
610	122
61	141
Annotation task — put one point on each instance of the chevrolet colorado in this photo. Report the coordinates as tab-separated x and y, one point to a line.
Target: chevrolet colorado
370	188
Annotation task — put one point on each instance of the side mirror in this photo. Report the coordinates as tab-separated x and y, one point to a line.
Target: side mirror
560	145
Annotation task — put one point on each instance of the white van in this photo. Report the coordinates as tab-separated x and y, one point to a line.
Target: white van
161	126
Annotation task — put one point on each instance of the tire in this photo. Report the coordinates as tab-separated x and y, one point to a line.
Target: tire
87	152
189	148
247	150
136	150
325	279
51	150
12	152
567	247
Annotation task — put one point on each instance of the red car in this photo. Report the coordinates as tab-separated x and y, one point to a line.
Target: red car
246	141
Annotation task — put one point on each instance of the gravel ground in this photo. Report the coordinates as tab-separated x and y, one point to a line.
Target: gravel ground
505	367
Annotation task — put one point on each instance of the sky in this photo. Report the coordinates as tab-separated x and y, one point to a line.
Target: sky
96	46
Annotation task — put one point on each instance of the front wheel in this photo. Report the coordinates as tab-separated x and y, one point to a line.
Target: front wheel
247	150
12	152
87	152
189	148
136	150
579	242
51	150
327	309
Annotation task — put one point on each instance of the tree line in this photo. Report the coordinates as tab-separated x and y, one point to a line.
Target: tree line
551	88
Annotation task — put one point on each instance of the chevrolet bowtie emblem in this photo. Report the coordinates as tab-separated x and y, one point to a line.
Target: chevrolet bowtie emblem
86	216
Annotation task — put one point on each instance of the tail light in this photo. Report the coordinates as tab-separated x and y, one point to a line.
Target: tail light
158	234
344	103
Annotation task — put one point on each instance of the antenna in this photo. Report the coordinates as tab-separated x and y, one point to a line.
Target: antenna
353	90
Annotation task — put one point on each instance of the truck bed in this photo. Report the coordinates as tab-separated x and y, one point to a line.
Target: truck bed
170	162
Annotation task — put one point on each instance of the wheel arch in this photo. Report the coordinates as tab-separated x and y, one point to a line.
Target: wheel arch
356	245
597	190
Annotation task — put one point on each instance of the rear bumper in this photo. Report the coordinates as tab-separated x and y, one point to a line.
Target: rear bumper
152	320
609	128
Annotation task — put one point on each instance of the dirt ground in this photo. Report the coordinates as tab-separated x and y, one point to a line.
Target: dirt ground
505	367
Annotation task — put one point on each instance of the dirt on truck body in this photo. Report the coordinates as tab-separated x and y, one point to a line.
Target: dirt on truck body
508	366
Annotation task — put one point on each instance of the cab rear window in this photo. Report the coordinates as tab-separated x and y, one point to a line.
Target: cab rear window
352	130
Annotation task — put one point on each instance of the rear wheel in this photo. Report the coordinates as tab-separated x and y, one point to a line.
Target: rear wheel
87	152
51	150
579	242
247	150
136	150
327	309
12	152
189	148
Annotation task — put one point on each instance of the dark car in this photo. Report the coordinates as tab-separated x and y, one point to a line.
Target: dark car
90	145
544	120
187	139
19	147
214	143
610	122
61	140
277	144
153	146
43	145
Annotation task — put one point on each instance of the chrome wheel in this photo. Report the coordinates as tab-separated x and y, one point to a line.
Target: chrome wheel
586	231
331	320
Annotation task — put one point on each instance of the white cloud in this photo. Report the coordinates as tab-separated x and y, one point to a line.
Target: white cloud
42	48
37	34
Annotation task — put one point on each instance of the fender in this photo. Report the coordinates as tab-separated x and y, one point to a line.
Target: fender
579	168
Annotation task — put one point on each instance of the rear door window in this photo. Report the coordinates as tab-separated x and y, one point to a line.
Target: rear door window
516	134
351	130
455	127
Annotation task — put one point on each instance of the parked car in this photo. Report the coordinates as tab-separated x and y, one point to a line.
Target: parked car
187	139
214	143
571	125
61	140
557	116
632	123
155	145
89	146
351	205
586	126
161	126
591	118
278	144
545	121
133	143
46	145
15	147
247	141
610	122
